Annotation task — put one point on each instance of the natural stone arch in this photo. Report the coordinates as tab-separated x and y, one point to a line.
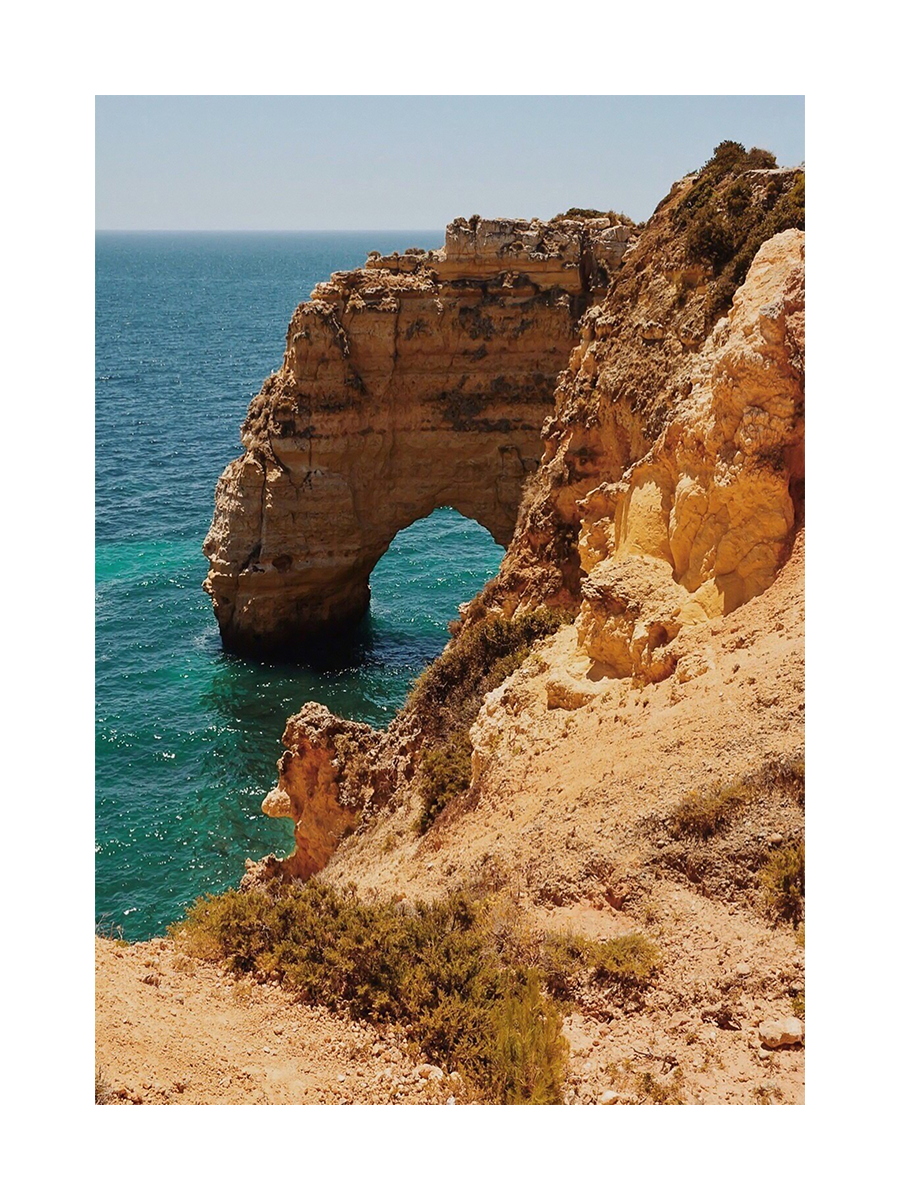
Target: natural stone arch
323	530
421	381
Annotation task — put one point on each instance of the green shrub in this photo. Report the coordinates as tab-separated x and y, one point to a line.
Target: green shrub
629	959
567	959
701	814
429	969
448	694
444	774
529	1065
564	960
784	883
725	226
617	218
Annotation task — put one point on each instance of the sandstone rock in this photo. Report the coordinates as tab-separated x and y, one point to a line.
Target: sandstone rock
686	448
420	380
330	771
700	524
665	498
780	1031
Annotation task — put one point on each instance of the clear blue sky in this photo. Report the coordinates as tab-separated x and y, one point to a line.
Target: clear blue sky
409	162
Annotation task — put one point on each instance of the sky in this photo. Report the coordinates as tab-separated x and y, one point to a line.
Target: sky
409	162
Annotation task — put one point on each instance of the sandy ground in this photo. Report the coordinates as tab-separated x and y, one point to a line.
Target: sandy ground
172	1030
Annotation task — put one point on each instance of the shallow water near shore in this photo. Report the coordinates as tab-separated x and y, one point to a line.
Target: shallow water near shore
187	737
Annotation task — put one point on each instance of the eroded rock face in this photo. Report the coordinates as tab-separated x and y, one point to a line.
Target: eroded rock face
419	381
330	771
665	499
702	522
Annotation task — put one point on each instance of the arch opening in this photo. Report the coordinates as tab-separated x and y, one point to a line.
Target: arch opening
431	567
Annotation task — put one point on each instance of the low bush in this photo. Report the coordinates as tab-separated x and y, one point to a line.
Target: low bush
701	814
726	217
616	218
430	969
528	1065
629	959
444	774
448	694
568	959
783	881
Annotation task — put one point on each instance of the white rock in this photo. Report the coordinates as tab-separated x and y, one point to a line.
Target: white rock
780	1031
426	1071
609	1097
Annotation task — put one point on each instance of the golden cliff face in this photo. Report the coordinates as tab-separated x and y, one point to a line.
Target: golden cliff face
669	493
702	523
418	381
674	459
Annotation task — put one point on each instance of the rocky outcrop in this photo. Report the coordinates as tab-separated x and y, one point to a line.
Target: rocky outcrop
330	772
421	380
642	360
703	521
669	492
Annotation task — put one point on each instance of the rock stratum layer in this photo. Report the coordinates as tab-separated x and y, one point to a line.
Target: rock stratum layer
421	380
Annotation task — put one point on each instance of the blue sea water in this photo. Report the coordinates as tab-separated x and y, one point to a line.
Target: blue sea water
187	328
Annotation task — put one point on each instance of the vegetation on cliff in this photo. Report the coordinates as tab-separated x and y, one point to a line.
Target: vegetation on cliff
784	883
727	214
591	214
449	693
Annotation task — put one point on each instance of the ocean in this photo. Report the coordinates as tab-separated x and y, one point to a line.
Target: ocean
187	328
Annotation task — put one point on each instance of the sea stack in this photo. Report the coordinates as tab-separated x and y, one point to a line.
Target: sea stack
420	380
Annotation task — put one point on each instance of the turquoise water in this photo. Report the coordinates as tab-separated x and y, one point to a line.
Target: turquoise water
188	326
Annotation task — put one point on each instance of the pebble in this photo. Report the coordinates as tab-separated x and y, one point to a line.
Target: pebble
609	1097
742	968
780	1031
426	1071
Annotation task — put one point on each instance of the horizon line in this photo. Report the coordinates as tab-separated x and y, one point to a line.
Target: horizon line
366	229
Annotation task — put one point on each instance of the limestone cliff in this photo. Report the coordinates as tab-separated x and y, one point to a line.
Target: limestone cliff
669	493
417	381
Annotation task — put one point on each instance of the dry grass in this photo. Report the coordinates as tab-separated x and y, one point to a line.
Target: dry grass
102	1092
783	880
701	814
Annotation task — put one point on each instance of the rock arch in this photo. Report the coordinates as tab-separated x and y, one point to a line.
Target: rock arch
419	381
